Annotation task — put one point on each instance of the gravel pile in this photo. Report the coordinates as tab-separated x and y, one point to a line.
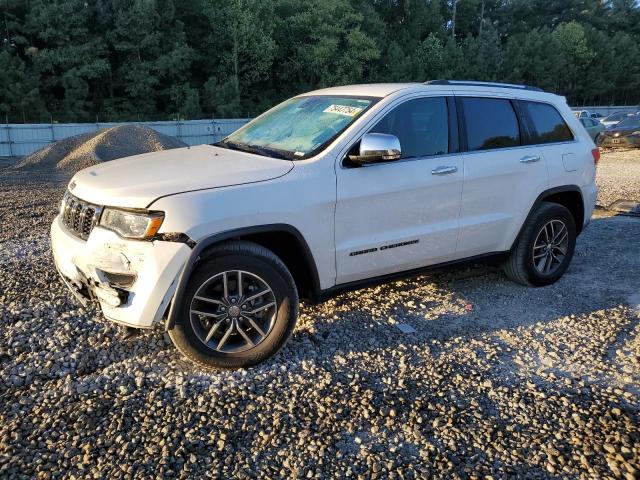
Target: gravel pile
497	380
80	151
618	176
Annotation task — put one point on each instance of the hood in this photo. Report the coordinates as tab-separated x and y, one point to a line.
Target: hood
135	182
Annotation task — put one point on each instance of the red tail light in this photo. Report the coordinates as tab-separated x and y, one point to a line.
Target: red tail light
596	155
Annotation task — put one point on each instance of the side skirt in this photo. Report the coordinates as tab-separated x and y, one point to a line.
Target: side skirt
329	293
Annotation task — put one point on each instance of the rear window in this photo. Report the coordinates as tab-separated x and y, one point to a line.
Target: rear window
549	127
490	123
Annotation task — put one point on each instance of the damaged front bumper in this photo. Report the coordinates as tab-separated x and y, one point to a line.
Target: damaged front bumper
132	280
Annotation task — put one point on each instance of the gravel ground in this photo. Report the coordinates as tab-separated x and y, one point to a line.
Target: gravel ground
497	380
618	176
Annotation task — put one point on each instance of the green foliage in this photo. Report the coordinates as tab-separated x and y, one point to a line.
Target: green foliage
128	59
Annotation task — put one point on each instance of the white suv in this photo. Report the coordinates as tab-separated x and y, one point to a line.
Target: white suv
327	191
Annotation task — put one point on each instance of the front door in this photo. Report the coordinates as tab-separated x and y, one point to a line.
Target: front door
401	215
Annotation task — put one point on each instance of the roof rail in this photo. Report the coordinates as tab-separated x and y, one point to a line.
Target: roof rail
472	83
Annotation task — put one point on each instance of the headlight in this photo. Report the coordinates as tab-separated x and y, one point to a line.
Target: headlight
132	224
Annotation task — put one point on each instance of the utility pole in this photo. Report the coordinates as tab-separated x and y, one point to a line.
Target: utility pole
481	19
453	21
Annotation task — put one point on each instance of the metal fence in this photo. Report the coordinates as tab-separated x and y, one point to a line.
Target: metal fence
22	139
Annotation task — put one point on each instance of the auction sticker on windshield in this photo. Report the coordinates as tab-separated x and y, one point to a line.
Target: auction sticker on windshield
343	110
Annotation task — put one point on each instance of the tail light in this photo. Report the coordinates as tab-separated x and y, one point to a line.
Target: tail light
595	153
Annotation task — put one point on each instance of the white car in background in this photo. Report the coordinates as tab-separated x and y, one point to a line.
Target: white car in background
582	114
328	191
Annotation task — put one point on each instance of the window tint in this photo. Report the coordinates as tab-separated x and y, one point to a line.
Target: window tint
421	126
491	123
548	124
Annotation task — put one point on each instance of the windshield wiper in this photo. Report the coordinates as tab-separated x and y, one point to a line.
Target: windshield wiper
257	149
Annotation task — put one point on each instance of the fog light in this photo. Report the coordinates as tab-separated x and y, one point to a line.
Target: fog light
111	298
118	279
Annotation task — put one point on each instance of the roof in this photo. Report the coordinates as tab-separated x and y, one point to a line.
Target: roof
364	90
384	89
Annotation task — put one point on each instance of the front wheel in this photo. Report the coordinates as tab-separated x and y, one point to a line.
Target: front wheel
240	307
545	247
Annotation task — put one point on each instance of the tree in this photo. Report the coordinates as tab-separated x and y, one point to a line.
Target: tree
320	44
66	57
142	59
242	53
533	58
576	56
150	54
18	91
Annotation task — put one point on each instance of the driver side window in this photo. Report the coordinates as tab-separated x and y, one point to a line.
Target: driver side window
420	124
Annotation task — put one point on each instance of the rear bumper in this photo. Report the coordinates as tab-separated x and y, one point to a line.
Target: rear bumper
628	141
133	281
590	194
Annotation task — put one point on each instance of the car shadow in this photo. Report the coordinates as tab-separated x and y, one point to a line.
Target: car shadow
475	300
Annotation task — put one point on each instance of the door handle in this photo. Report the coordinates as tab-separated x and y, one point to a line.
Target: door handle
530	159
444	170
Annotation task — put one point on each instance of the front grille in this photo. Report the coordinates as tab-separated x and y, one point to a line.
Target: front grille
79	217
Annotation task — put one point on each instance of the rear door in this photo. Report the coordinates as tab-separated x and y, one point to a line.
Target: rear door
502	174
568	160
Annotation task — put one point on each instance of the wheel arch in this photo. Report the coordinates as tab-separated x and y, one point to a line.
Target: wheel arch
569	196
283	240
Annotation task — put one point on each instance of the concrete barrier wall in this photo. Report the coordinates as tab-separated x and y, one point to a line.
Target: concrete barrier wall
608	110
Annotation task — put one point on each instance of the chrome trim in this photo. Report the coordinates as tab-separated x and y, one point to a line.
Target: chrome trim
378	147
444	170
74	215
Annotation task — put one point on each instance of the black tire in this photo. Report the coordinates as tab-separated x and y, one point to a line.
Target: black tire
520	266
254	259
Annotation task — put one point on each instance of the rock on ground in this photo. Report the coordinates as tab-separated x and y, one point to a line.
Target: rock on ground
497	380
618	176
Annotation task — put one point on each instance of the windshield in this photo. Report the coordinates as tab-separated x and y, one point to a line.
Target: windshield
631	121
298	128
614	117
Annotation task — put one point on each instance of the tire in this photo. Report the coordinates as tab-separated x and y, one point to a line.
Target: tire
520	266
259	268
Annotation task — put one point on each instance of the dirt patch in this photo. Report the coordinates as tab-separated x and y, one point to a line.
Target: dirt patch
81	151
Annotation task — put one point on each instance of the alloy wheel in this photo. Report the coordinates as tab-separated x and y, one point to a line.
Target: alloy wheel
550	247
233	311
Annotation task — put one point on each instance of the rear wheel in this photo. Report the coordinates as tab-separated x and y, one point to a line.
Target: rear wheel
240	307
545	247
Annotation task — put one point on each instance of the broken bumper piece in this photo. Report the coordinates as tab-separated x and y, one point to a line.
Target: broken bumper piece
132	280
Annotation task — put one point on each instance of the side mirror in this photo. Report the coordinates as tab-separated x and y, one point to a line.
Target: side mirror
377	147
